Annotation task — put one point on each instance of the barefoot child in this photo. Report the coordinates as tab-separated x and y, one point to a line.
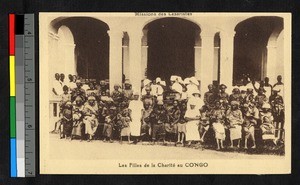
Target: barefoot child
218	119
181	126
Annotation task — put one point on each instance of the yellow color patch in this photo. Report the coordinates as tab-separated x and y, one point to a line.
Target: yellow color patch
12	75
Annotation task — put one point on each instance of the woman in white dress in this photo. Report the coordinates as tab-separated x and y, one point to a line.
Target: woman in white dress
136	107
192	116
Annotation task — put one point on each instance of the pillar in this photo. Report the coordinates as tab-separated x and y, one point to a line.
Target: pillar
70	63
197	50
135	58
53	55
144	53
197	55
226	58
115	58
207	62
144	61
271	63
126	61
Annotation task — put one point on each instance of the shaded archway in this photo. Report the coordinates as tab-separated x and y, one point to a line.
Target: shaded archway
171	51
250	46
91	46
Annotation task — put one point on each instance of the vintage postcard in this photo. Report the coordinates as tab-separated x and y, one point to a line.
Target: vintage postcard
165	93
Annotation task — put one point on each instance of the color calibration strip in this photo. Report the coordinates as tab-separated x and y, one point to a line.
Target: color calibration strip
22	95
12	83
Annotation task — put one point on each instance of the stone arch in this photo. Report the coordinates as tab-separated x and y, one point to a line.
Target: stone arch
251	53
90	45
146	23
170	45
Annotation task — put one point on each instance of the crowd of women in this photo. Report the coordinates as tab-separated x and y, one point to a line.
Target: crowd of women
172	112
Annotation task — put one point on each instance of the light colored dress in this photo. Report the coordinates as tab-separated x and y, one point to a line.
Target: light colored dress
267	127
199	102
90	120
192	133
235	118
218	125
136	107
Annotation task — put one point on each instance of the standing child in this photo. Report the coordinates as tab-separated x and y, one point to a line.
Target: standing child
67	122
125	120
218	119
181	126
146	125
109	124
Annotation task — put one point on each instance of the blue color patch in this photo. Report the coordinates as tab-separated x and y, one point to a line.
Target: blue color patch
13	157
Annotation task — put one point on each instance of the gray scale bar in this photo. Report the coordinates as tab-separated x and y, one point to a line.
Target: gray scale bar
29	74
20	100
30	153
29	59
29	106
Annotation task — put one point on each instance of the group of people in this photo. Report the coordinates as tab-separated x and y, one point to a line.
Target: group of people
171	112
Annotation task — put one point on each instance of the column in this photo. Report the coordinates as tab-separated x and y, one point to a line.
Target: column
207	62
70	64
144	61
197	50
135	58
115	58
144	53
126	61
53	56
226	58
271	63
197	55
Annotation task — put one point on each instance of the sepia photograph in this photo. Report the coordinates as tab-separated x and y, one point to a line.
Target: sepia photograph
165	93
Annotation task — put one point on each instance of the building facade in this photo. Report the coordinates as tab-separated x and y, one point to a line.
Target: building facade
139	46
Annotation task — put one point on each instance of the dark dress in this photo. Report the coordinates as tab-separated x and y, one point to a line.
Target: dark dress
67	122
146	125
158	118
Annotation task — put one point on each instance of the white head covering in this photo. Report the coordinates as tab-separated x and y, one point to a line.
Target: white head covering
194	80
158	79
186	81
180	79
177	87
173	78
163	83
146	82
